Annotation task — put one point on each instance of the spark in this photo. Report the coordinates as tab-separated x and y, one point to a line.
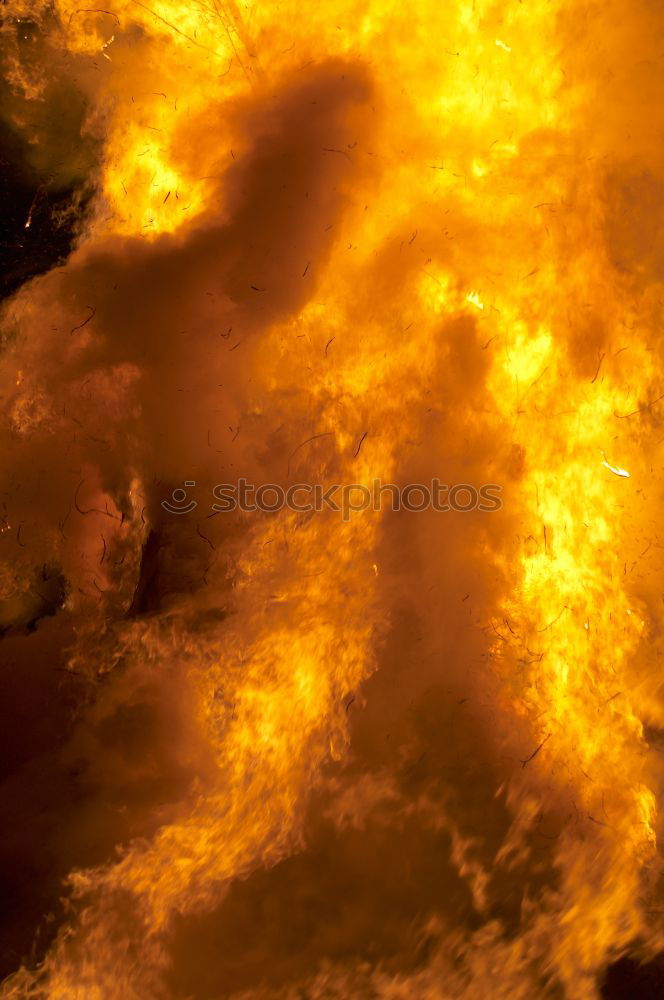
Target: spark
623	473
474	298
501	45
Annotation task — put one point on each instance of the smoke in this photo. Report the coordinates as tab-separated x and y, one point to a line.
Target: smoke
284	755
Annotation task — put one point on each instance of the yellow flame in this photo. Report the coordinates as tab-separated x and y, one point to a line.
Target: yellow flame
471	170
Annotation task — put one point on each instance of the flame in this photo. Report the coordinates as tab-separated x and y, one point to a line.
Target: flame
338	244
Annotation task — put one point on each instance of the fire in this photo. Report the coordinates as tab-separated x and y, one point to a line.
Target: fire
332	245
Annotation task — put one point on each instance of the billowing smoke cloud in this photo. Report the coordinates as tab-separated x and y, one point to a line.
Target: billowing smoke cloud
275	755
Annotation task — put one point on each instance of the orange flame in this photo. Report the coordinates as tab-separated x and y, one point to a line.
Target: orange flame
339	244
